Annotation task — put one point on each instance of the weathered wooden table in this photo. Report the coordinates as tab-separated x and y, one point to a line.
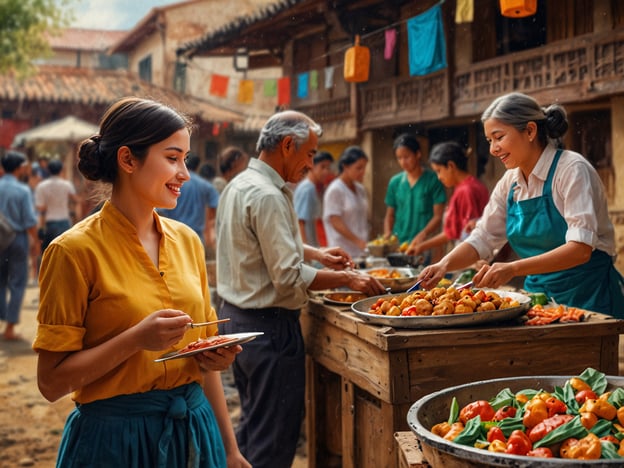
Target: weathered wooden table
363	378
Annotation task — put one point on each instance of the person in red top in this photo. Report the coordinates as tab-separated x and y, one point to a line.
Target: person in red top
450	162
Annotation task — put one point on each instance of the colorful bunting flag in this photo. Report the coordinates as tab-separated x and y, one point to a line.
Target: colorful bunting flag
329	77
245	91
391	36
302	85
464	11
270	88
426	42
314	79
219	85
283	91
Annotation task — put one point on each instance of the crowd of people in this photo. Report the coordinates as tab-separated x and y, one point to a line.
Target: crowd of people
123	285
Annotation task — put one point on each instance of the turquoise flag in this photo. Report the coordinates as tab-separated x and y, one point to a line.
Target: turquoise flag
426	42
302	85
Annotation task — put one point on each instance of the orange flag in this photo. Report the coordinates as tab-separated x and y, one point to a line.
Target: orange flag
219	85
245	91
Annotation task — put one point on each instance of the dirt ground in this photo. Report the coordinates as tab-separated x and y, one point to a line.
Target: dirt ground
30	426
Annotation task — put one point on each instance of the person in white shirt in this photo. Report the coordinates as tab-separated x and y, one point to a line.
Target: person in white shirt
52	200
551	207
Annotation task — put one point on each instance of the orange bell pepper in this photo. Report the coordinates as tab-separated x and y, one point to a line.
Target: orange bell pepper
587	448
535	412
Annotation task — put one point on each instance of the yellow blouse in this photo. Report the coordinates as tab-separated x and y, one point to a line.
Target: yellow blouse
97	280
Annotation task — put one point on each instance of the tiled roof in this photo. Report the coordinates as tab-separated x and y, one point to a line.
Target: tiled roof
150	22
88	86
84	39
236	15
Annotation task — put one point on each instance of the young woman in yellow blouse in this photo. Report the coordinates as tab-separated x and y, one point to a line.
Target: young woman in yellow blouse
117	291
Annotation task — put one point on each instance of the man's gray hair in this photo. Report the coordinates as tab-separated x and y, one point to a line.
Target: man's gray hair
283	124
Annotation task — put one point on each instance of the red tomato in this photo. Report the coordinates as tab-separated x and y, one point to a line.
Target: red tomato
496	433
477	408
409	311
505	412
585	395
543	452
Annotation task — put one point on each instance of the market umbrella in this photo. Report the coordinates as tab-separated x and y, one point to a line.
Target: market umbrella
68	129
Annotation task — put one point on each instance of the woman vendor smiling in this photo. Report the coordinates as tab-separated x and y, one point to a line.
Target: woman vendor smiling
551	207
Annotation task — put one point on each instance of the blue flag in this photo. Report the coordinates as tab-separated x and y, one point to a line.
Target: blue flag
426	42
302	85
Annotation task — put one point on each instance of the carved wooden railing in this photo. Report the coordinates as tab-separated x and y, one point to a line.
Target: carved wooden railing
326	111
578	69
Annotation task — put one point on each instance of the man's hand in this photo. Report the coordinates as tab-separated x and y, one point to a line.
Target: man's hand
335	258
367	284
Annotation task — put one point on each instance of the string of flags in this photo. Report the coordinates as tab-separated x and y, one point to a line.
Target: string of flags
426	53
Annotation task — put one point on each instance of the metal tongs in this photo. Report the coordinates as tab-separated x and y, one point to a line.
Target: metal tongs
203	324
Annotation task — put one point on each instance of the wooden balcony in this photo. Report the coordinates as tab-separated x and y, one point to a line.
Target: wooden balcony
577	70
580	69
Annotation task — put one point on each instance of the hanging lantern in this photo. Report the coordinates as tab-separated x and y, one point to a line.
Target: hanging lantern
356	62
518	8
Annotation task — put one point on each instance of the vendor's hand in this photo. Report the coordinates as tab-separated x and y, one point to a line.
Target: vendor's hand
161	329
494	276
335	258
431	275
218	359
365	283
413	249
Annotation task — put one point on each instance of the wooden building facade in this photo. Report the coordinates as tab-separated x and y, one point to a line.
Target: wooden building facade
570	52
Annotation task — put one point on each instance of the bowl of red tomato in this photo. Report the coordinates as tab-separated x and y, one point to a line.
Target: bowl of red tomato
524	422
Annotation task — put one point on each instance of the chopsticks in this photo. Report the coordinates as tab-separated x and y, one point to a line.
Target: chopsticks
203	324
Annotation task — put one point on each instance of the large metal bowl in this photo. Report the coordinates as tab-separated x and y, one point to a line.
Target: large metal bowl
435	408
406	279
362	307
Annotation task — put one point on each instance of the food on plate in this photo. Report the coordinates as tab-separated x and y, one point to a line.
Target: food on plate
385	273
347	298
544	423
206	343
544	315
442	301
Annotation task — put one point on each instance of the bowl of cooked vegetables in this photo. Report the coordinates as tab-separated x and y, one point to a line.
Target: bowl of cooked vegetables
398	279
548	421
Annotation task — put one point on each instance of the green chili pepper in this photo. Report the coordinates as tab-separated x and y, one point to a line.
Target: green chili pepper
573	429
454	413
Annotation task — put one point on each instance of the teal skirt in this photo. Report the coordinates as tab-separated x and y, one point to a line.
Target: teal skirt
160	428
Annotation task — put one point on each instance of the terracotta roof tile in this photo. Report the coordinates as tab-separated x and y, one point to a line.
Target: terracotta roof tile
88	86
85	39
234	16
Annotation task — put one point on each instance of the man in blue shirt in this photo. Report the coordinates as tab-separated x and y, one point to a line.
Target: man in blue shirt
16	204
307	201
197	204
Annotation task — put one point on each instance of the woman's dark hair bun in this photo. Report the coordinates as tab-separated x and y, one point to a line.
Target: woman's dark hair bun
89	158
556	121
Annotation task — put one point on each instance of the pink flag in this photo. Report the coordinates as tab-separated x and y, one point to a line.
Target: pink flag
391	35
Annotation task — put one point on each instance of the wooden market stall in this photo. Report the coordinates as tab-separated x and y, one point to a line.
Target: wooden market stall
363	378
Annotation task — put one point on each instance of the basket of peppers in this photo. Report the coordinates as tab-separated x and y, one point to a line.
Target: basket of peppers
524	421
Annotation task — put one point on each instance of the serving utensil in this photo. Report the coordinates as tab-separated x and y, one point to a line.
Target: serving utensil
203	324
465	285
415	286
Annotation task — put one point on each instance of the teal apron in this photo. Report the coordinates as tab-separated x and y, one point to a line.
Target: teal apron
535	226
